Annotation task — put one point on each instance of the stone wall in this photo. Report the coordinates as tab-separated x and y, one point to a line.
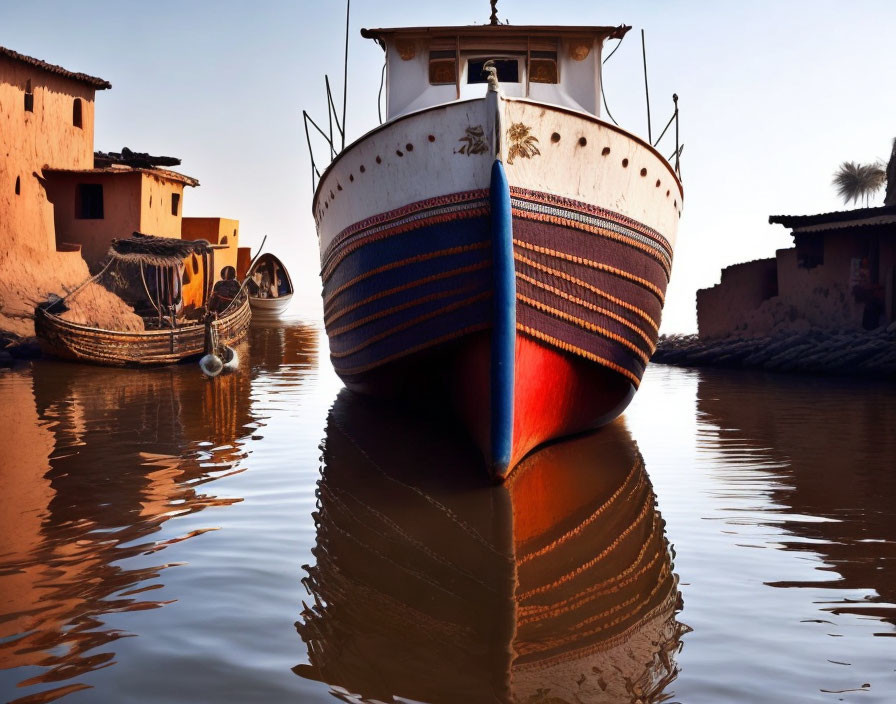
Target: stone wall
727	306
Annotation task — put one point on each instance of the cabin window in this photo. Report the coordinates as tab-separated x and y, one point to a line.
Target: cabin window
77	120
224	239
543	67
442	68
175	203
29	97
508	70
89	201
18	185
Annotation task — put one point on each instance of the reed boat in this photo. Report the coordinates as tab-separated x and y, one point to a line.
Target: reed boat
496	246
432	584
175	338
272	291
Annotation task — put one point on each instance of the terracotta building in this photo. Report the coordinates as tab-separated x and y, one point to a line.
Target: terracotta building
840	275
93	206
46	118
61	203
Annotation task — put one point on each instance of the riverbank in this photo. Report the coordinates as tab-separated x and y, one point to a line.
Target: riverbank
813	352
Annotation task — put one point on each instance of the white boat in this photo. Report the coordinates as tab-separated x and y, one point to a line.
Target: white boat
497	246
273	289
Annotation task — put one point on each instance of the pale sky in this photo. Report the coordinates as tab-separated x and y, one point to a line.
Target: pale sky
773	96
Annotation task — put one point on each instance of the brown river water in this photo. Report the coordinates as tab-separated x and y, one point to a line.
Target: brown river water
267	537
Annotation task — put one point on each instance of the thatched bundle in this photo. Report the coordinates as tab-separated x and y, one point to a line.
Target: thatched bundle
156	251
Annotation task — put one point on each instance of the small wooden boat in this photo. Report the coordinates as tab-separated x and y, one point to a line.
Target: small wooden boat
83	343
272	290
181	339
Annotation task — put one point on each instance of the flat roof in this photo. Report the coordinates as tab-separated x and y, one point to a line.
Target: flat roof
98	83
498	30
838	219
121	169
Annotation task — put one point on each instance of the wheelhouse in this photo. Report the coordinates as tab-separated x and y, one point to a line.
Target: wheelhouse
428	66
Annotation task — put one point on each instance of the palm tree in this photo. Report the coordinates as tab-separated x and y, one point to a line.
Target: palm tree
856	182
890	195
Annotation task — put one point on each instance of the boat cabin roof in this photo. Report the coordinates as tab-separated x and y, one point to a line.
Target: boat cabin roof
429	66
498	30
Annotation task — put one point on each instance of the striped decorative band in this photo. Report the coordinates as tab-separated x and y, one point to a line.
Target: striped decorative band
413	216
580	206
607	224
589	281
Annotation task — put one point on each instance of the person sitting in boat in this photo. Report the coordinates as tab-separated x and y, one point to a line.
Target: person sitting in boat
224	291
282	286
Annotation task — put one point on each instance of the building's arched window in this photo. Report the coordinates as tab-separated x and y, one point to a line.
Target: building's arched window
77	118
29	97
18	185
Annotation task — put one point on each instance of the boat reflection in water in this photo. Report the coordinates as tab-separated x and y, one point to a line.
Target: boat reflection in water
434	585
100	460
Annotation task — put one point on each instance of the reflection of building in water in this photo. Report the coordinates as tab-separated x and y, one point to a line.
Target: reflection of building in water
432	584
281	349
833	446
102	459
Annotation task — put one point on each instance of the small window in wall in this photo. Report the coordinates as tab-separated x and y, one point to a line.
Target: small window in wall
442	68
175	203
18	185
809	251
234	233
508	70
89	201
29	97
77	117
224	239
543	67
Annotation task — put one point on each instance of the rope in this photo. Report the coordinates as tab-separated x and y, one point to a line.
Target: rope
81	285
146	288
618	44
668	124
379	97
602	94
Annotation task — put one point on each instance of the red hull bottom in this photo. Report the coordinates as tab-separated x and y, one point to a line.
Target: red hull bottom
555	393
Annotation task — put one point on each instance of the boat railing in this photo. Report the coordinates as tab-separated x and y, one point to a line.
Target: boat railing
330	137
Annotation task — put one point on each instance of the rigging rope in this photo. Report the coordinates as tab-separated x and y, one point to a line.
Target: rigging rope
146	288
602	94
379	97
82	284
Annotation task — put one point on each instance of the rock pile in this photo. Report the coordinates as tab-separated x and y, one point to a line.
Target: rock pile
812	352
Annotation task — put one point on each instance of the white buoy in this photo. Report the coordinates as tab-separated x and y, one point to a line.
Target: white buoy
211	365
232	359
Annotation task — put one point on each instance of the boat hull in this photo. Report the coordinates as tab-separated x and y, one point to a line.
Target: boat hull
415	300
67	340
268	308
